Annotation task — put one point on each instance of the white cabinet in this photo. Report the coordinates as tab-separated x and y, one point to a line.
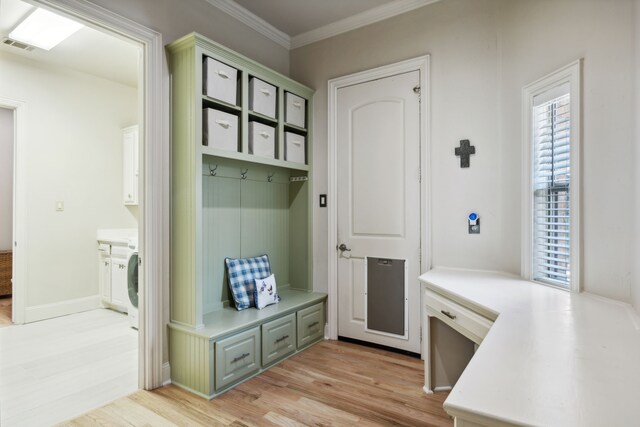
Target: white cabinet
130	165
104	272
119	276
112	275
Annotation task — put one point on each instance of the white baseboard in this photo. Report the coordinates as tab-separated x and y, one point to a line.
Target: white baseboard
166	374
444	388
62	308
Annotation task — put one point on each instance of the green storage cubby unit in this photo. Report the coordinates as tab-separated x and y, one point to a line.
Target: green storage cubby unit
231	204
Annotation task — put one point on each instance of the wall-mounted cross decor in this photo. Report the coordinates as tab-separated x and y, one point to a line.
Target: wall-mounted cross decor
464	151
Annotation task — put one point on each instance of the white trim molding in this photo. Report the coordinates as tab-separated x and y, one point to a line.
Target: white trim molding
420	64
20	166
253	21
154	203
371	16
572	75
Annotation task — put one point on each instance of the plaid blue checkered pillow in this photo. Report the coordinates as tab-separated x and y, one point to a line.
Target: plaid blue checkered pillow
242	273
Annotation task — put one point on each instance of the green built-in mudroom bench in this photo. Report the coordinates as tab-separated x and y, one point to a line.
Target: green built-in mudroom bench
235	345
241	187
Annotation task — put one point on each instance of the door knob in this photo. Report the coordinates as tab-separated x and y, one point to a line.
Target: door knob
344	248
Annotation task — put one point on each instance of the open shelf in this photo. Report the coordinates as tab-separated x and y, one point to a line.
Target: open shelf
210	151
253	116
208	102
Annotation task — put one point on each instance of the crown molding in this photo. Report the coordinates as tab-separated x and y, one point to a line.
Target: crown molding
246	17
371	16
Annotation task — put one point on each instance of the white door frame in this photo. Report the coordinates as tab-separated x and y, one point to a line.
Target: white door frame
154	205
421	64
19	109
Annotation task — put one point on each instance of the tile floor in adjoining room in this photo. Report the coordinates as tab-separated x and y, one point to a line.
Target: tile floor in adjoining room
57	369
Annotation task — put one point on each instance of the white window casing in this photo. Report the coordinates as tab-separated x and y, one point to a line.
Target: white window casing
551	113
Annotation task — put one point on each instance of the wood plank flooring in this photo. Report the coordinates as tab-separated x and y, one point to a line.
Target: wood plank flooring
57	369
332	383
5	312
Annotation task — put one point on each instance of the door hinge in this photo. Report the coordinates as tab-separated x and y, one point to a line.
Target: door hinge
139	261
419	174
420	333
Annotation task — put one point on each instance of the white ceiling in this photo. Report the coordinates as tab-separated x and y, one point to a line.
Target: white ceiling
294	17
89	50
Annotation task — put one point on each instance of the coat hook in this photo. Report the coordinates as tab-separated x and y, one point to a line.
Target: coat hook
244	173
213	172
270	176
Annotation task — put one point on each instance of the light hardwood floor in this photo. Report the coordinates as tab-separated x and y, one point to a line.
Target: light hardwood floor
332	383
5	312
57	369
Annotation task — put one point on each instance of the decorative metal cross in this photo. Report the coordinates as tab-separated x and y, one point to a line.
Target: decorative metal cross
464	151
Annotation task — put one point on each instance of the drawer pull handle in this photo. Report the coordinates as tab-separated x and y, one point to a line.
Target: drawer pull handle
239	358
297	104
449	315
264	134
311	325
296	142
222	74
265	92
282	338
225	124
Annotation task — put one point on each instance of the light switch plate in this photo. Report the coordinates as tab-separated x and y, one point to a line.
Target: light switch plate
323	200
59	206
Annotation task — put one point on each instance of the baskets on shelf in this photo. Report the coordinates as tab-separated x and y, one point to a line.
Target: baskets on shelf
6	262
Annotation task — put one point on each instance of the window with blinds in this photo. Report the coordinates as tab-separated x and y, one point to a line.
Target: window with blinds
551	249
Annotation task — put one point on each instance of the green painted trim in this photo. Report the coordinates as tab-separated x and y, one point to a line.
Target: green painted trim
239	61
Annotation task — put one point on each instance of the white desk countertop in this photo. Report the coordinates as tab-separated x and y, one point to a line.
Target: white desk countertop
551	358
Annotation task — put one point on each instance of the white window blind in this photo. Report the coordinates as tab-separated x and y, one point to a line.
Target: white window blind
551	181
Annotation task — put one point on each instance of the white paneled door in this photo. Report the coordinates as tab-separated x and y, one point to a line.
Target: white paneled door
378	139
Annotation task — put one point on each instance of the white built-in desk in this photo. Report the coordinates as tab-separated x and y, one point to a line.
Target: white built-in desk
549	358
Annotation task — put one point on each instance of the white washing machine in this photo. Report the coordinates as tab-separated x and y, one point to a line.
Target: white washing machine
132	283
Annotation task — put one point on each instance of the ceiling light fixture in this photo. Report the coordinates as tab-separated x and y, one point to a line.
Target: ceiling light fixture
44	29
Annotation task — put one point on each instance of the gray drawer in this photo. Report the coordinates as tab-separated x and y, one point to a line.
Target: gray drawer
237	357
278	339
310	324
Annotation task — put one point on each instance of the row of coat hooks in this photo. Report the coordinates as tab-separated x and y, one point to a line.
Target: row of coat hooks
244	172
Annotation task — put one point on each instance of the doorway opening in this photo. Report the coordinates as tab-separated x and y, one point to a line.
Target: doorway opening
77	188
376	252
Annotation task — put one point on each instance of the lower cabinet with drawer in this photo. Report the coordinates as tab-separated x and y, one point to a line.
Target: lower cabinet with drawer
278	339
251	341
310	325
463	319
237	357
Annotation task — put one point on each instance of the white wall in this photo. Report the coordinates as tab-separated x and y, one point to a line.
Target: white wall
174	19
6	178
482	53
74	152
